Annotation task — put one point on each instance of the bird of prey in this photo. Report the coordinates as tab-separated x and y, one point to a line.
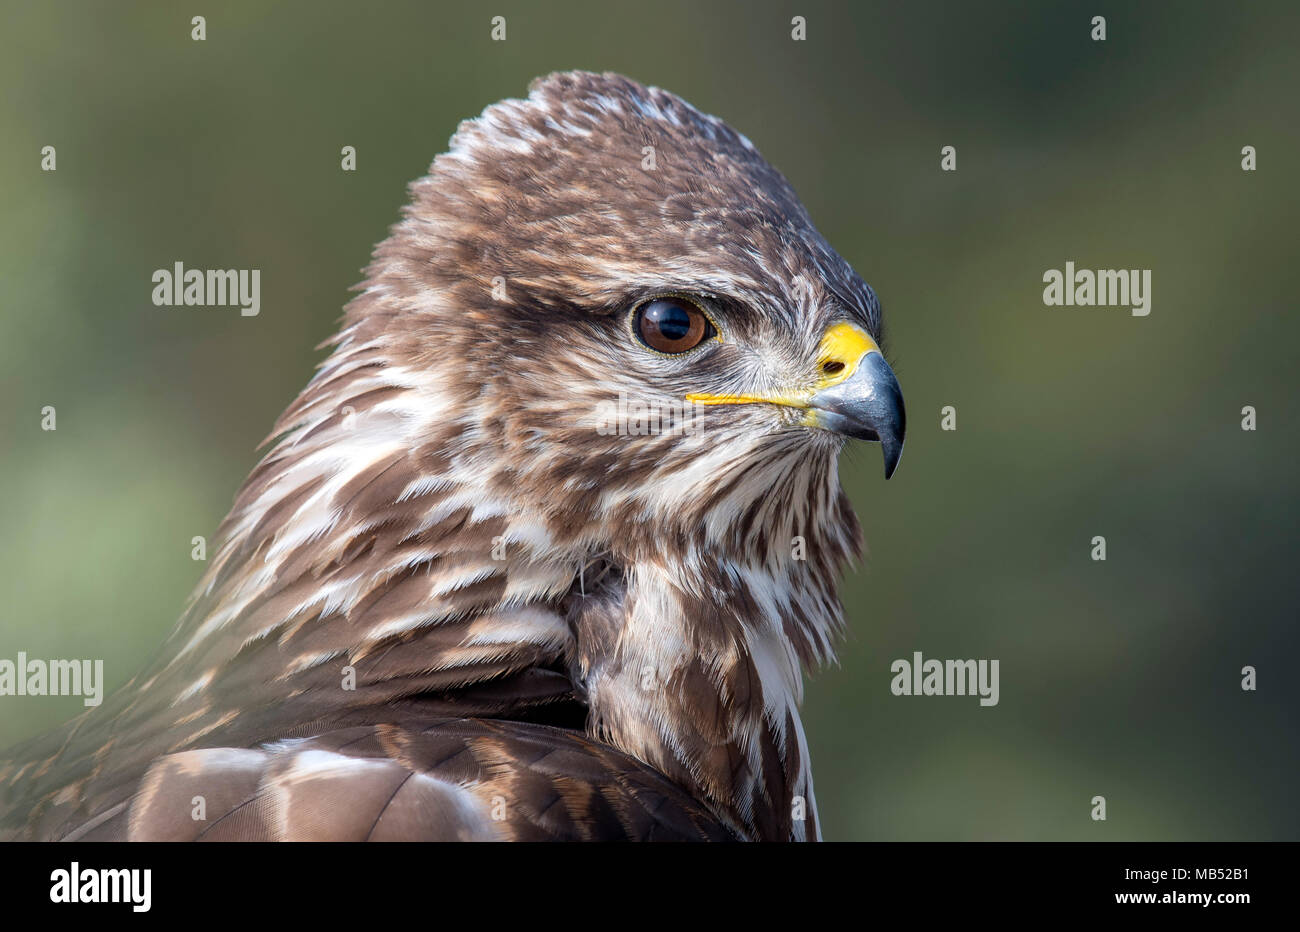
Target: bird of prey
478	588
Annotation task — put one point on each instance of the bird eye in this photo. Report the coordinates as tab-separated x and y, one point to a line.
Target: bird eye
672	325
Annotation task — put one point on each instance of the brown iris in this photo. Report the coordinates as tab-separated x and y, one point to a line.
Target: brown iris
672	325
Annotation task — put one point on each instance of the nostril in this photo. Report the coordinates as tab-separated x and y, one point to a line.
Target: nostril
833	368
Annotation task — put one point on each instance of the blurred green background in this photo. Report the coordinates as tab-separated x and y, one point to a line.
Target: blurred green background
1119	679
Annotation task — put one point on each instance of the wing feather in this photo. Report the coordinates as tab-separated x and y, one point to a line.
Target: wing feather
453	780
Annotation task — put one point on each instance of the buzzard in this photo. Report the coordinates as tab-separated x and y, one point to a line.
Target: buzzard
455	600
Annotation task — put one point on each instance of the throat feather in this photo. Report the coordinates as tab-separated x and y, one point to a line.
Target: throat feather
703	694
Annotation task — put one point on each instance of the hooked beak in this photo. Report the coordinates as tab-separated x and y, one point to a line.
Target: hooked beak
856	394
867	405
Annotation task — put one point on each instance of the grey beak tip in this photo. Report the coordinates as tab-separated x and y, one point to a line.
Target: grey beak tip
892	456
869	406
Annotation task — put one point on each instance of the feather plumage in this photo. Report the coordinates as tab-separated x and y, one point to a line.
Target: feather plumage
443	586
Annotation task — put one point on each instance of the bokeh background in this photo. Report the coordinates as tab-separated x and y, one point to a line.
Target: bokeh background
1119	679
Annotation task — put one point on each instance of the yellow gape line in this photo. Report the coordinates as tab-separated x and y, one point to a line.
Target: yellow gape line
703	398
842	349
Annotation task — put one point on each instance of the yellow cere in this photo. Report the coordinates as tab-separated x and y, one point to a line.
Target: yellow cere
843	343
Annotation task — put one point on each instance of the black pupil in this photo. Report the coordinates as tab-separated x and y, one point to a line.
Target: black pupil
672	320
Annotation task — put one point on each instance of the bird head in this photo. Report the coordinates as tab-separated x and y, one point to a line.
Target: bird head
630	307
